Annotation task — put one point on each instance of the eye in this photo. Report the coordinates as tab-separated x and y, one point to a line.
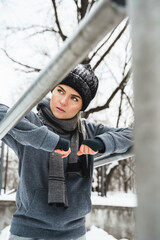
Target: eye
60	91
75	99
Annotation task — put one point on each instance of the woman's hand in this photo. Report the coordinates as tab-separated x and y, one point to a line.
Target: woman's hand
84	149
63	147
91	146
63	153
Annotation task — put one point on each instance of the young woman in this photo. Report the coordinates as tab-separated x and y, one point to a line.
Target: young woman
55	150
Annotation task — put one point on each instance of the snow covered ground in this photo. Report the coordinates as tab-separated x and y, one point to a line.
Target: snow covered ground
4	235
119	199
9	196
94	234
99	234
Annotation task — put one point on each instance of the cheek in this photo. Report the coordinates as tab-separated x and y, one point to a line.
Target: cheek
54	96
53	100
75	108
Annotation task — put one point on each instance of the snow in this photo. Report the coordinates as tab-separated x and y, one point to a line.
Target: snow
112	165
115	199
9	196
4	235
94	234
98	233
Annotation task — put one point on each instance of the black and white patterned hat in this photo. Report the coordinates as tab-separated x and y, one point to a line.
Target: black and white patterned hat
84	81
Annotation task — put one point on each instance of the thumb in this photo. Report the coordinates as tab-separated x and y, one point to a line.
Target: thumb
79	153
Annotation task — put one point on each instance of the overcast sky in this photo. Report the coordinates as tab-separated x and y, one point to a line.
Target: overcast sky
14	13
23	14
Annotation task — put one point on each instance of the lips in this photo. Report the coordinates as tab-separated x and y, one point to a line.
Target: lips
60	110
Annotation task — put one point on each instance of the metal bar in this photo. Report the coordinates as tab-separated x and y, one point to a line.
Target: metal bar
102	181
98	180
145	20
90	31
1	166
105	159
6	170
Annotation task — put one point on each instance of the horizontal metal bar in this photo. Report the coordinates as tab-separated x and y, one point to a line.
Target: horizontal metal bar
105	159
90	31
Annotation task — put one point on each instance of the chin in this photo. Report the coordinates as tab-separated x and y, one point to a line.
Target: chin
59	116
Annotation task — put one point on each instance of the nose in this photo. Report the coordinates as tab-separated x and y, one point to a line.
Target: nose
64	100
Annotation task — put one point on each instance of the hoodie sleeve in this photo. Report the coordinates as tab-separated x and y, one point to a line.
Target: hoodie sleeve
116	140
28	134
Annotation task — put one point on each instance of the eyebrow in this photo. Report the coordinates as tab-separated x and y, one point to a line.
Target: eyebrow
74	95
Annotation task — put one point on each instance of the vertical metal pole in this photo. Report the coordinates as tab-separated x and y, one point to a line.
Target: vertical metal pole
102	181
6	170
1	165
98	177
145	20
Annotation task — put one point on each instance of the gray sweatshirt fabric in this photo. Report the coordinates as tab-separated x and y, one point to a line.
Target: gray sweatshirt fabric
33	144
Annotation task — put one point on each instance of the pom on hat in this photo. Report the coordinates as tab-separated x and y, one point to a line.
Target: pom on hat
84	81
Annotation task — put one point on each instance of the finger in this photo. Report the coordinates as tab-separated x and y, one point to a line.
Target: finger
81	150
59	151
90	151
66	153
93	152
62	151
79	153
84	149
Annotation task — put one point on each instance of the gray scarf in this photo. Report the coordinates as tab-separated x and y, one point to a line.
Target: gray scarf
57	192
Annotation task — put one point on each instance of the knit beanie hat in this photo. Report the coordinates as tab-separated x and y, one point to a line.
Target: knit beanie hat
84	81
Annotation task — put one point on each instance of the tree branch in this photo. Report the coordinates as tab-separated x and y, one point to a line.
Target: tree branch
120	108
40	32
57	21
91	4
78	10
103	43
128	99
106	105
108	50
30	27
83	9
22	70
122	90
21	64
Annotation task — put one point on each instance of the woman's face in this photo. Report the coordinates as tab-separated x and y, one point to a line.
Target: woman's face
65	102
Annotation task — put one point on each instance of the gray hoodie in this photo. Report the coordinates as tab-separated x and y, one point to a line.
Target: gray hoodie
33	143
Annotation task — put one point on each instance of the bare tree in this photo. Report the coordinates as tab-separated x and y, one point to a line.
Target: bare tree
96	58
82	8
